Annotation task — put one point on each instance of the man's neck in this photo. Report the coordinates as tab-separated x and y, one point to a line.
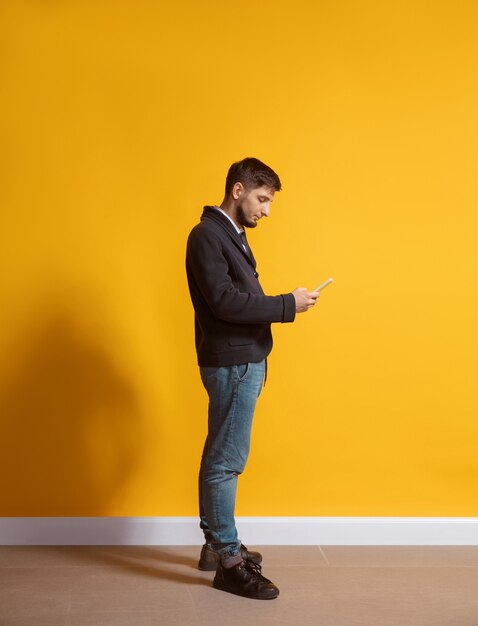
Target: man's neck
228	207
239	229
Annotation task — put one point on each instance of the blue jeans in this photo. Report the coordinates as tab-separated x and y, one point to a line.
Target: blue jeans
233	391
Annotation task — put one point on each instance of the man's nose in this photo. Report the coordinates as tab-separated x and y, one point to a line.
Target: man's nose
266	209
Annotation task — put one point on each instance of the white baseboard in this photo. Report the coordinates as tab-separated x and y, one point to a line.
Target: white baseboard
125	531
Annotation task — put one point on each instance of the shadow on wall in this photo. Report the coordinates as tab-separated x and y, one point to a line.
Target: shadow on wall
70	424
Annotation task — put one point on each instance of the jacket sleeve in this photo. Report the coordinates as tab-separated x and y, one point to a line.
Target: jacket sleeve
210	271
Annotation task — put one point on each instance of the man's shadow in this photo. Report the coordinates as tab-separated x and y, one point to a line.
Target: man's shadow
71	422
132	558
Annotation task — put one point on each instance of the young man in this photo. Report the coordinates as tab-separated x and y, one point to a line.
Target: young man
233	320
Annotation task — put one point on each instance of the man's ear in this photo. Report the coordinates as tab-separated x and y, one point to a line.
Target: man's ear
237	190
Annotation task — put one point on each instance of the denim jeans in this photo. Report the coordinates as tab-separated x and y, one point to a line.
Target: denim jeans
233	391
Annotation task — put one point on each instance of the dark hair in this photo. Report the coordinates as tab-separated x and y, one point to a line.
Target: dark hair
252	173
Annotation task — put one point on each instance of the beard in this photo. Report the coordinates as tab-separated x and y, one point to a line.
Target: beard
243	220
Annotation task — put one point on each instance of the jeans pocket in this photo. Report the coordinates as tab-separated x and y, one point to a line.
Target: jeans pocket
242	371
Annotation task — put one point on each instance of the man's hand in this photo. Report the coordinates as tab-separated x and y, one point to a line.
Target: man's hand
304	299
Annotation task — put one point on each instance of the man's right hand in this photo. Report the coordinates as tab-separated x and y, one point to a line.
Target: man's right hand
304	299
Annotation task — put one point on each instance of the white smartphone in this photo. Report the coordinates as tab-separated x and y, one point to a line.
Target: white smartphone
327	282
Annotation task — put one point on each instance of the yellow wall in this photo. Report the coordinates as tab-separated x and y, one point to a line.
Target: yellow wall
118	122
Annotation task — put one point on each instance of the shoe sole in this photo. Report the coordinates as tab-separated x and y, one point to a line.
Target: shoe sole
245	595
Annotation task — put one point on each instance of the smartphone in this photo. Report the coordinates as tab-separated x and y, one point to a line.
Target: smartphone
327	282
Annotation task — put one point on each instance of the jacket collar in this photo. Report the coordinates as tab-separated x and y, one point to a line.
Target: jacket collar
209	212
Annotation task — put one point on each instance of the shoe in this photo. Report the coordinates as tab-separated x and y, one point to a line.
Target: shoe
245	579
209	558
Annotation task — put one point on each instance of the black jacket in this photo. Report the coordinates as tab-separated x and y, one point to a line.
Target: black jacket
232	314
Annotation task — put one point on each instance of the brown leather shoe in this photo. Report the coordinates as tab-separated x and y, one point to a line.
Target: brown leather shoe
209	559
245	579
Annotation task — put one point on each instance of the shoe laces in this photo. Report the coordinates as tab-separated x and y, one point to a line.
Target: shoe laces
254	569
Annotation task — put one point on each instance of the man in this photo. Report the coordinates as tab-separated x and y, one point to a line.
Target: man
233	338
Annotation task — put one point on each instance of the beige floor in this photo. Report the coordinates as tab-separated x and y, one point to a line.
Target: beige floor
323	586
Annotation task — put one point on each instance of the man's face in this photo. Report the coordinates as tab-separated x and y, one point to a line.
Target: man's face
254	204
